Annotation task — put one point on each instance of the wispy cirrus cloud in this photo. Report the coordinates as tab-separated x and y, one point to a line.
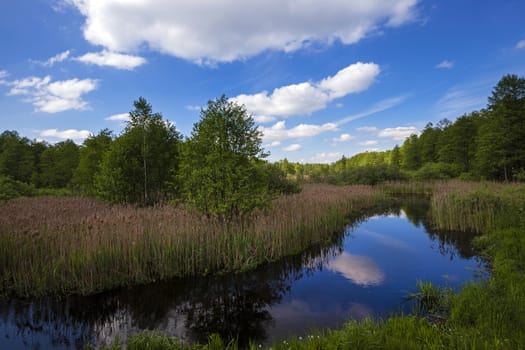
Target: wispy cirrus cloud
460	100
446	64
520	44
380	106
60	57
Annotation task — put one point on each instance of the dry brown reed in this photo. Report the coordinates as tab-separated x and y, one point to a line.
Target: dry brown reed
75	245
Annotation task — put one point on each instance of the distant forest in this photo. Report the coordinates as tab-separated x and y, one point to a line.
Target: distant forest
150	161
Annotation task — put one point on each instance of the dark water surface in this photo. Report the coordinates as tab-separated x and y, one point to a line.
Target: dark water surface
367	271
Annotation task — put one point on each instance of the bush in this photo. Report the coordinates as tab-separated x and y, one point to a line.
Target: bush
437	171
10	188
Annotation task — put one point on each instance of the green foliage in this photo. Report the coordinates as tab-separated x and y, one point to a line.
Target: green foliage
221	170
16	157
369	175
57	164
138	166
90	157
10	188
278	182
436	171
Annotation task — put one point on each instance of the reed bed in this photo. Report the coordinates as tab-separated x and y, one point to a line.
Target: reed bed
74	245
478	207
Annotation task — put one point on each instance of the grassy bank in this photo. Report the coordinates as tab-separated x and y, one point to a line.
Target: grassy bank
488	314
74	245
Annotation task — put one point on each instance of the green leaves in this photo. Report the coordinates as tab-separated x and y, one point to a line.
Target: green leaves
139	165
221	170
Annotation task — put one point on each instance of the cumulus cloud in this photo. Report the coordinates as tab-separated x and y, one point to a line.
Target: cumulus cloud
72	134
292	148
445	65
520	44
279	132
263	119
53	96
222	31
112	59
399	133
343	138
308	97
122	117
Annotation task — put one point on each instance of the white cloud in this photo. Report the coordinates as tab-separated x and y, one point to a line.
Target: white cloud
53	97
3	74
112	59
193	108
459	101
445	65
308	97
55	59
279	132
368	143
262	119
520	44
326	157
380	106
274	144
370	129
343	138
292	148
73	134
122	117
399	133
222	31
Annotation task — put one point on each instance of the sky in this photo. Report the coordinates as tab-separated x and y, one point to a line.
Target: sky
322	79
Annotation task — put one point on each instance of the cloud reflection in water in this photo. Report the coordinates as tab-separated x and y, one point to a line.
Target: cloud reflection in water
361	270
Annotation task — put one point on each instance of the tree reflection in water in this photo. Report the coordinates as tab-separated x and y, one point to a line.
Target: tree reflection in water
235	306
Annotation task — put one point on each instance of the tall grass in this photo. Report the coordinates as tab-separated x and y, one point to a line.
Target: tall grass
74	245
487	314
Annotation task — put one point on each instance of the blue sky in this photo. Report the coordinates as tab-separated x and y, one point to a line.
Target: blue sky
322	78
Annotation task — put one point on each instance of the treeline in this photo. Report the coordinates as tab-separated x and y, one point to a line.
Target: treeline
220	168
483	145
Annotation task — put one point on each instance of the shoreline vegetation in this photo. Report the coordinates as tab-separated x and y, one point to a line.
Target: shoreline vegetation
486	314
64	245
57	246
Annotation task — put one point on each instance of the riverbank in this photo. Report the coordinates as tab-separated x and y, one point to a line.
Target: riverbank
57	246
489	314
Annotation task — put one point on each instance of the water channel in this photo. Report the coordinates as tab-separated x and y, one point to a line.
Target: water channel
367	272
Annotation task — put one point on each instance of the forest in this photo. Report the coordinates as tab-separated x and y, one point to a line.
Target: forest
223	159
